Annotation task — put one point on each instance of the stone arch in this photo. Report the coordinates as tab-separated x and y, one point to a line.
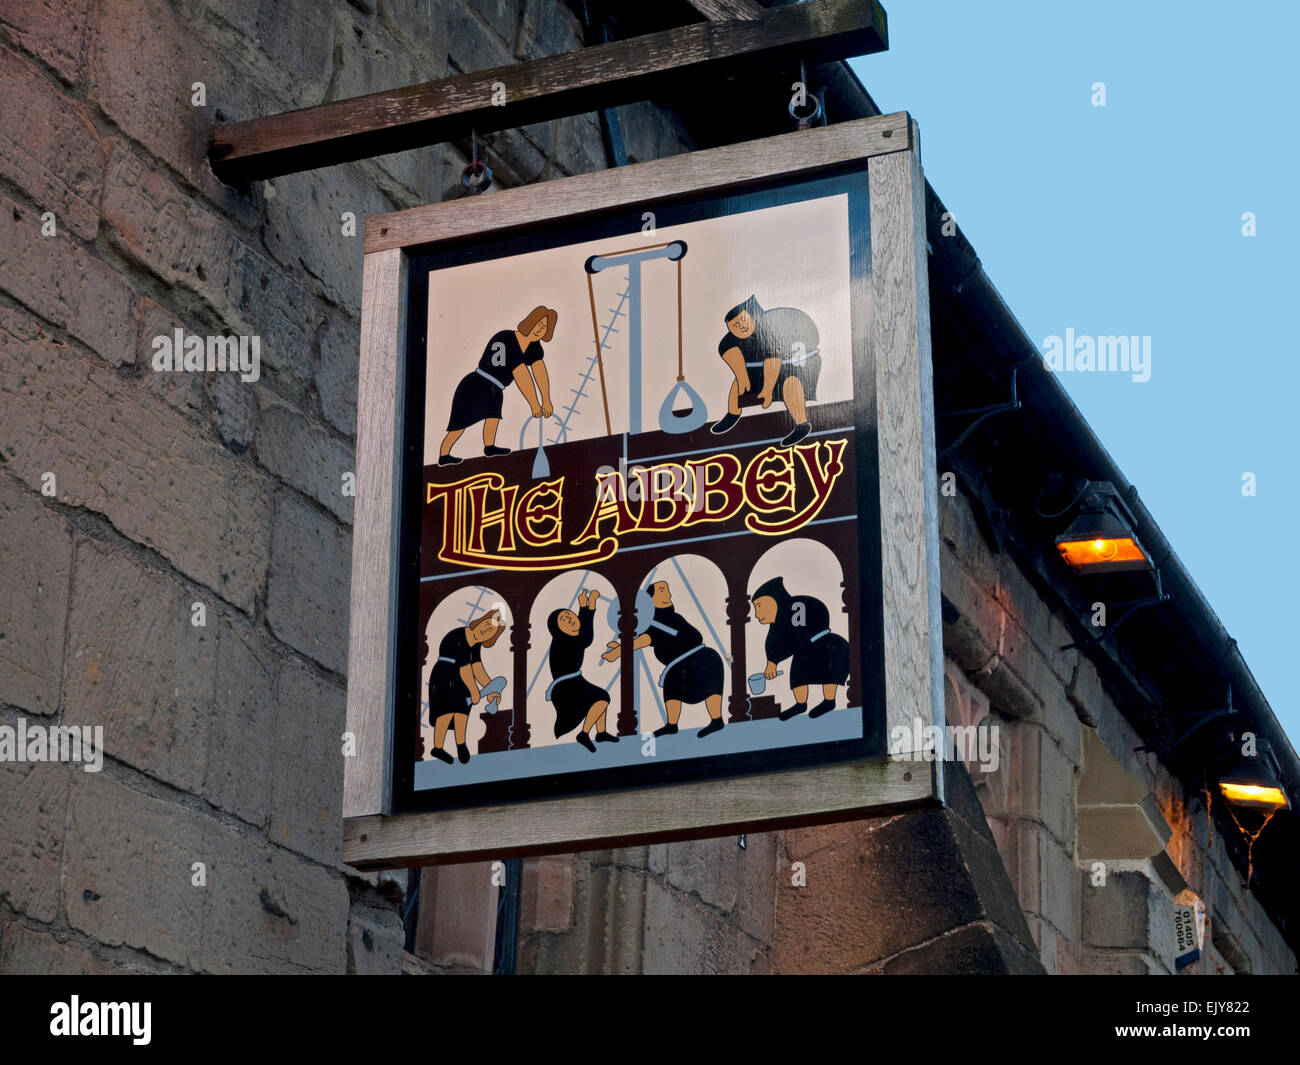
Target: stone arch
699	590
562	591
457	607
809	567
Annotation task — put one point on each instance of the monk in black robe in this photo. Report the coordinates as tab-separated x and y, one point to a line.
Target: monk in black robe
692	672
799	628
510	355
577	701
457	679
777	351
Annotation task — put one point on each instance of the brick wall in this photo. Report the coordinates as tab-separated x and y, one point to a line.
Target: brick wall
170	490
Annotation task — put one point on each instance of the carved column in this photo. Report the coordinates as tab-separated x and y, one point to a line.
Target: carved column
421	693
520	638
626	589
508	728
737	616
841	538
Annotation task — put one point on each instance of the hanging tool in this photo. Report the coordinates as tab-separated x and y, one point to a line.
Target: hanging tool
670	420
541	464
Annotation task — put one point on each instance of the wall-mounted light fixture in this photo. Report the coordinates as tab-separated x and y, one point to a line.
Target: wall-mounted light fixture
1101	539
1254	783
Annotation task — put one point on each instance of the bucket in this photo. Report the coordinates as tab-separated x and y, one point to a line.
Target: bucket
493	687
758	682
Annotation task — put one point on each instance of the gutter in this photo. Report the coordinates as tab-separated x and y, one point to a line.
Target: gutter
990	311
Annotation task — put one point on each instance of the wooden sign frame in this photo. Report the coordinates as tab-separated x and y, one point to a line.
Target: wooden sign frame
377	837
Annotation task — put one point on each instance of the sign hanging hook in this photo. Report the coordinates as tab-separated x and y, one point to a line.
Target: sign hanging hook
805	106
477	177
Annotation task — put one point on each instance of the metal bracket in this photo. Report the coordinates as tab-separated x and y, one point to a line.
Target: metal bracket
1204	717
1133	605
983	412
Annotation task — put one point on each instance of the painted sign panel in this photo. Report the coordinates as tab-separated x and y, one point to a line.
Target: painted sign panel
640	501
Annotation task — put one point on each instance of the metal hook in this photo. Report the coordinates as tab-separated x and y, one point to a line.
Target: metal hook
1132	607
477	177
814	115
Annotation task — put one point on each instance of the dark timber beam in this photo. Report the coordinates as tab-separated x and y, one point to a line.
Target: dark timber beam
720	10
588	79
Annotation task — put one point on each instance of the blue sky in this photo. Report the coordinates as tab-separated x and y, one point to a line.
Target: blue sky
1126	219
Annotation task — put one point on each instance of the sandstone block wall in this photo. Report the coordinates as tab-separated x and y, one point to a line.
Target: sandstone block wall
162	491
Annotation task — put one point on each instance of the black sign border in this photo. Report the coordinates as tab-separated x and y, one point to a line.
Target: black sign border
850	179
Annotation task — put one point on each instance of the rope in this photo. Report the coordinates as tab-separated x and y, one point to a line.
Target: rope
1250	841
680	375
600	363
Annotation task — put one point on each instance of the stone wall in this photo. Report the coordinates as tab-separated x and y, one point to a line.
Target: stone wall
127	496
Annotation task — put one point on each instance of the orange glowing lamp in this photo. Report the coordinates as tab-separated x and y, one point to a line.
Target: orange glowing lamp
1254	783
1259	796
1085	554
1101	539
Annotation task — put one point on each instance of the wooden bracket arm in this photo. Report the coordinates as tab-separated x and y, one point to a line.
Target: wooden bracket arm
506	97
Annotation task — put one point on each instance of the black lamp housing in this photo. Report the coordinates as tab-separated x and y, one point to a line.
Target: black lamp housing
1253	779
1101	538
